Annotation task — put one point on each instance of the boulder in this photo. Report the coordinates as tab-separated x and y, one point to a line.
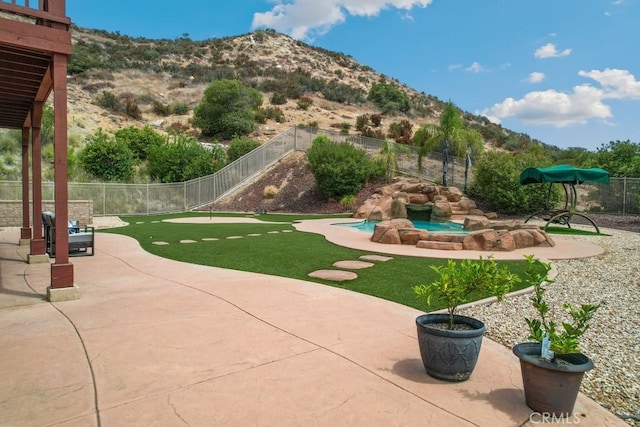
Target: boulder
523	239
398	223
466	204
411	236
482	240
441	210
399	205
453	194
505	242
475	222
418	199
390	237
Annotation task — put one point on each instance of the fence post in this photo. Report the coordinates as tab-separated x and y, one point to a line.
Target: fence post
104	199
624	196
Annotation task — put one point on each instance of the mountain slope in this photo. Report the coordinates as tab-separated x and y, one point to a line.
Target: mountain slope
169	72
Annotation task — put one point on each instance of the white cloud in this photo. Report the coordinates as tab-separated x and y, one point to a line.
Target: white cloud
454	67
618	84
549	50
536	77
560	109
553	108
304	18
474	68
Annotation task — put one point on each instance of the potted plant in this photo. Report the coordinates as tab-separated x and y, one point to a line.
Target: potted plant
450	343
552	366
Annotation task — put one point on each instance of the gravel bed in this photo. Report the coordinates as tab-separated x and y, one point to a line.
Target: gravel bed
613	341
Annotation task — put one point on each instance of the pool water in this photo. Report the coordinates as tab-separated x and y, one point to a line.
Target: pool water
445	227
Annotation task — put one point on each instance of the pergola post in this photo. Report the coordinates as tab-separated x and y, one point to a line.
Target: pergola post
62	269
25	231
38	250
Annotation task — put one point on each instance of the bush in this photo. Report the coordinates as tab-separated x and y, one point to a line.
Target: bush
179	108
389	98
140	141
497	184
304	103
348	202
278	99
227	109
401	132
105	158
182	158
239	146
362	122
270	191
338	168
161	109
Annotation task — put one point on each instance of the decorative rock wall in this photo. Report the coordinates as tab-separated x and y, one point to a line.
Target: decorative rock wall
391	205
395	200
11	211
497	236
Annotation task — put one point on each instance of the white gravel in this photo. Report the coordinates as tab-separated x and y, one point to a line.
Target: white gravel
613	342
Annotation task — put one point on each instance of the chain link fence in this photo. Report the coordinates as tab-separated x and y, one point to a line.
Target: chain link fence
619	197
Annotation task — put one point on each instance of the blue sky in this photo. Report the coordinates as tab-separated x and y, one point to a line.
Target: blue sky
566	72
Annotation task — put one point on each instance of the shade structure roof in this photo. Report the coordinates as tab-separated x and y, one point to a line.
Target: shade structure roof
564	174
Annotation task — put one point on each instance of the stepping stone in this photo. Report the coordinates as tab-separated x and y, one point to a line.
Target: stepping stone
379	258
156	222
273	232
140	222
287	231
254	235
353	265
160	243
210	239
334	275
234	237
187	241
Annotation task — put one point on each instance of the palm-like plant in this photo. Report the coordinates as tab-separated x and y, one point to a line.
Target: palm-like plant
450	135
388	157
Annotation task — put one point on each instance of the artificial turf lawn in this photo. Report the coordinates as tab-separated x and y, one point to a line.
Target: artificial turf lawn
291	254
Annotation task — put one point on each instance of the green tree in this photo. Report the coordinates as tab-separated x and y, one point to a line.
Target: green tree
497	182
389	98
339	169
107	158
140	140
451	136
226	109
239	146
620	158
182	158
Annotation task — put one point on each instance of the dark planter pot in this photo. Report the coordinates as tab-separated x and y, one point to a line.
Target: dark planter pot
551	388
449	355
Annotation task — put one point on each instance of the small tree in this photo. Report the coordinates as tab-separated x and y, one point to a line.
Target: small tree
451	136
226	109
389	98
107	158
338	168
139	140
182	158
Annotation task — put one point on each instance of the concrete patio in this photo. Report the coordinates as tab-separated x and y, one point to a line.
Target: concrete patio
157	342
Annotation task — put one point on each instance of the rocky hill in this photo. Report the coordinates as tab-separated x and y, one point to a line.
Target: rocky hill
159	74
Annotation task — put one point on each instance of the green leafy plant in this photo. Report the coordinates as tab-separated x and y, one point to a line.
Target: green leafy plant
564	339
460	282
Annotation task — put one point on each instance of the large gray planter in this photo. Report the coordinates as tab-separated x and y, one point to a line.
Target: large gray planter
449	355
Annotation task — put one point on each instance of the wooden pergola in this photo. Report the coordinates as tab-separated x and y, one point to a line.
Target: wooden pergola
35	45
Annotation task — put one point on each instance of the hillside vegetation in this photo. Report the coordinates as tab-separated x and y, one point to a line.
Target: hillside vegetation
167	78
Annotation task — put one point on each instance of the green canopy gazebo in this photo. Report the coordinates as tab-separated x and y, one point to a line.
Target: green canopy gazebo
568	177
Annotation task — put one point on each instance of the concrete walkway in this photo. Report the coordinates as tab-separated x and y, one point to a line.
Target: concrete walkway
159	342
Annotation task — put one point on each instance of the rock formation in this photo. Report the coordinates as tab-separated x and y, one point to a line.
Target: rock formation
393	204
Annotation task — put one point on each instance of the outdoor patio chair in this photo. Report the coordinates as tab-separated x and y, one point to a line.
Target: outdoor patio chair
81	237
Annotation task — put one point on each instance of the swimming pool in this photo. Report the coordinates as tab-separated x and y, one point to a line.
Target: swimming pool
445	227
